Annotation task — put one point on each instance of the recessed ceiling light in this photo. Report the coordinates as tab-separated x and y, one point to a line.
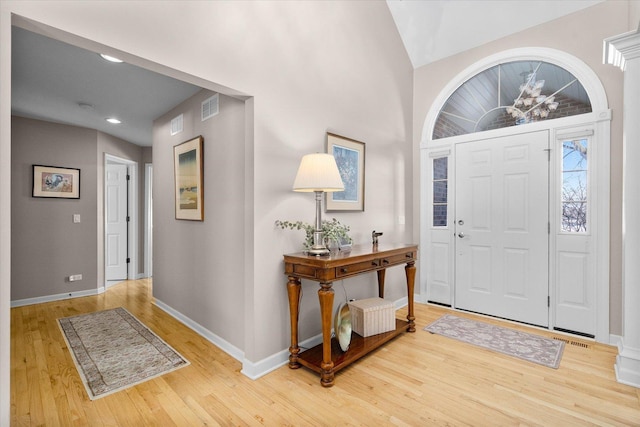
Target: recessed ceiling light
114	121
110	58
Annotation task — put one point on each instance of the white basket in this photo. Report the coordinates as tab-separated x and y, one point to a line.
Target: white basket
372	316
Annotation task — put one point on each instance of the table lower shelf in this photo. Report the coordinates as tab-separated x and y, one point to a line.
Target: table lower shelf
359	347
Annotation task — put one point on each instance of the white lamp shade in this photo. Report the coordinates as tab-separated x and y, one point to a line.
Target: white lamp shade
318	172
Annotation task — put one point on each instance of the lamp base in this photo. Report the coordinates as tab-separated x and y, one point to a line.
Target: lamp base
318	251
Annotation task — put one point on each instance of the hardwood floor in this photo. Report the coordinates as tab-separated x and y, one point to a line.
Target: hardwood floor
415	380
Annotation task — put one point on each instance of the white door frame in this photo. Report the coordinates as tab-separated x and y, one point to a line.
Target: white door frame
133	214
598	121
148	219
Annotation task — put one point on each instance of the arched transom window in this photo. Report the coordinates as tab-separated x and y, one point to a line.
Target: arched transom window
510	94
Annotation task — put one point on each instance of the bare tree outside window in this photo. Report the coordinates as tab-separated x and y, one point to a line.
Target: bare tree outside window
574	186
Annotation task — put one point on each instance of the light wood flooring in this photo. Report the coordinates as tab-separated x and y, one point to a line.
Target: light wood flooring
417	379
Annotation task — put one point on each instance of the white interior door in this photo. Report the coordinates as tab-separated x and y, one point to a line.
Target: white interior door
116	222
501	227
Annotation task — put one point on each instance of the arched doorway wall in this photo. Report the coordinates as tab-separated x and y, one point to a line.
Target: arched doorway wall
438	163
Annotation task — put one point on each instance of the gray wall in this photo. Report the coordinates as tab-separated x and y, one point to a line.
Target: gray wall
197	264
46	246
306	68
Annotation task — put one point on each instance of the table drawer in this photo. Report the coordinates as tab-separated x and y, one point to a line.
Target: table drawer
360	267
397	259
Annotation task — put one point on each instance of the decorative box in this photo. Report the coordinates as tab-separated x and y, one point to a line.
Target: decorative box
372	316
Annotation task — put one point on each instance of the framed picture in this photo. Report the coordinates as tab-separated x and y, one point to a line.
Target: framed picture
188	172
56	182
349	155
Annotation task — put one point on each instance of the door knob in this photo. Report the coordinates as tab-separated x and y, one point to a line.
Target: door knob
461	234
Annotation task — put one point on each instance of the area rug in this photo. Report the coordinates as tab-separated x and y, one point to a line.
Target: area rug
113	350
530	347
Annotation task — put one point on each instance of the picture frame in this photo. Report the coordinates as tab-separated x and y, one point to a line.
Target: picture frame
188	177
350	158
56	182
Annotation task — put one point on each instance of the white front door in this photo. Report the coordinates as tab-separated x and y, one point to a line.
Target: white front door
116	222
501	227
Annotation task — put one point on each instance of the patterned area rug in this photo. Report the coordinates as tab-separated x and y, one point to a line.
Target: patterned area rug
534	348
113	351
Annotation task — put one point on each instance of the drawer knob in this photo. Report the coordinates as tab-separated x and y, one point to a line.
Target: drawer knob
409	255
373	263
343	270
385	261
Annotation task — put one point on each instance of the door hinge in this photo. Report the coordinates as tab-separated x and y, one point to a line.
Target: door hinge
128	260
128	177
548	227
548	301
128	218
548	150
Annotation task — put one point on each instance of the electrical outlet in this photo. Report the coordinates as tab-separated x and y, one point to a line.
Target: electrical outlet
76	218
75	277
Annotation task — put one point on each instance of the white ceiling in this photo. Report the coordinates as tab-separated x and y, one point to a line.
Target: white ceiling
435	29
51	78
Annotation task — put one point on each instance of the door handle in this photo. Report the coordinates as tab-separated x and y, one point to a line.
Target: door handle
461	234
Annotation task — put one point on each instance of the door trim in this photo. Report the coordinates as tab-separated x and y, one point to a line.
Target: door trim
148	219
133	214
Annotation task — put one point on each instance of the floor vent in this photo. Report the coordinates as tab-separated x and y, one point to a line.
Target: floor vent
570	342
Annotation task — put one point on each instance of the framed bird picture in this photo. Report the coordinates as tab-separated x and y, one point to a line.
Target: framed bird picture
56	182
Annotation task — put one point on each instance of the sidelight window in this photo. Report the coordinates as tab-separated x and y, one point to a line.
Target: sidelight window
440	186
575	185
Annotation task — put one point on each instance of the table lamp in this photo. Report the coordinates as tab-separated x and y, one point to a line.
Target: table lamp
318	173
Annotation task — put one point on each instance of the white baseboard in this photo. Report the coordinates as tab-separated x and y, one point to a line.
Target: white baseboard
252	370
255	370
221	343
402	302
615	340
627	365
57	297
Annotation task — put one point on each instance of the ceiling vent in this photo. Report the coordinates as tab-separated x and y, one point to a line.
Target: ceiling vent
210	107
177	125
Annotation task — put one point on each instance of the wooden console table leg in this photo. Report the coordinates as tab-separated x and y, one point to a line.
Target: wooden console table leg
325	295
381	274
293	289
410	272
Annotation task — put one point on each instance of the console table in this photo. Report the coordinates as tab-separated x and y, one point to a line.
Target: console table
327	358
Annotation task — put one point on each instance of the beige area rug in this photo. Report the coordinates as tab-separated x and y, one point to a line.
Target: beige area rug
113	350
534	348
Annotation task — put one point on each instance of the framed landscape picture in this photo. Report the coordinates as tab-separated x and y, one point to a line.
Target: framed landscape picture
189	189
349	155
56	182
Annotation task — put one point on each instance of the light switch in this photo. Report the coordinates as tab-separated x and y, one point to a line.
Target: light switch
76	218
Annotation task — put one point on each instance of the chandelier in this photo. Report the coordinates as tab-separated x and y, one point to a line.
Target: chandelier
531	104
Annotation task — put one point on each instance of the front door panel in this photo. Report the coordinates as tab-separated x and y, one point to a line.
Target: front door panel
501	228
